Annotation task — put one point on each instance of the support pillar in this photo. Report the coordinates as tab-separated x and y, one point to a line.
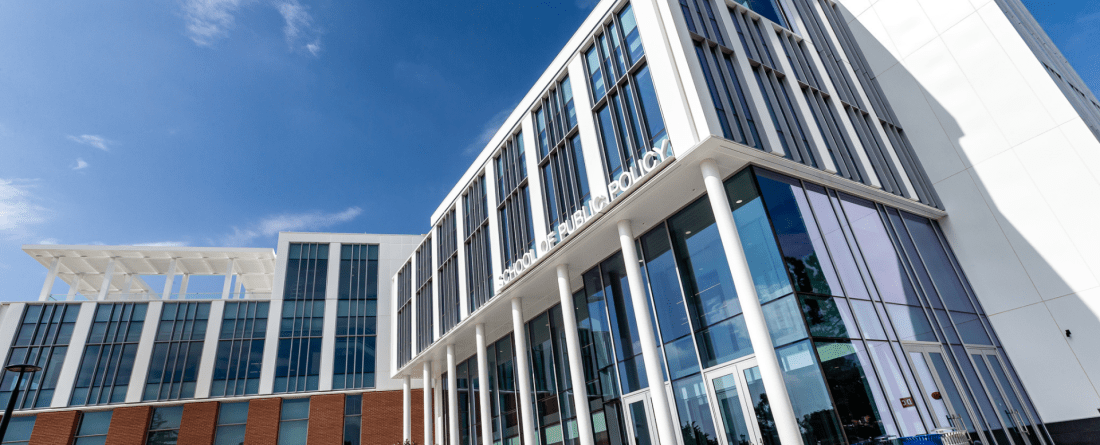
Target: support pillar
440	428
770	372
428	389
237	287
523	374
107	276
452	395
168	278
228	284
483	386
182	295
129	287
51	277
576	364
74	286
667	430
406	409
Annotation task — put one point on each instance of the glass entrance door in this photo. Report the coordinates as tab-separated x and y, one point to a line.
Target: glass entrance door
639	419
741	403
939	388
1006	400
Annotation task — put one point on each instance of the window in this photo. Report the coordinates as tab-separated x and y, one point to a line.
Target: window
628	118
479	269
424	294
446	245
293	421
240	349
561	160
93	428
104	375
404	313
173	368
516	234
353	419
298	365
164	429
42	339
232	420
19	430
356	315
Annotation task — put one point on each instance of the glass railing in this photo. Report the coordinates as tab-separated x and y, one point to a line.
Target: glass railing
147	296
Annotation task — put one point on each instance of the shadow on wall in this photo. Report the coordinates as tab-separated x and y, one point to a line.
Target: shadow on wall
1003	226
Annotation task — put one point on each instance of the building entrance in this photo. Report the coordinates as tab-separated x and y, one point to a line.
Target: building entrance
639	419
1006	400
741	404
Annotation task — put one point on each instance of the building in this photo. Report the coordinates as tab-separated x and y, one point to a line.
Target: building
805	221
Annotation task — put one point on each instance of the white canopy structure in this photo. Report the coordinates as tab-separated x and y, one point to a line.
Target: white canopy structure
114	272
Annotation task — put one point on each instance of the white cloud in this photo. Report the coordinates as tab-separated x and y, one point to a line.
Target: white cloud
94	140
50	241
80	164
18	209
209	20
164	244
488	130
289	222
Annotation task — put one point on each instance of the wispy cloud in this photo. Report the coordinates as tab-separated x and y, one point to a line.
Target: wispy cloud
164	244
299	27
93	140
50	241
209	20
80	164
289	222
488	130
18	208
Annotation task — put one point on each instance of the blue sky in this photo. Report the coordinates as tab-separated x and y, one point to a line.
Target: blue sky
223	122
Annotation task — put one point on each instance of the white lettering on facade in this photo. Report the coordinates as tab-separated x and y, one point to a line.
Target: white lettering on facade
638	171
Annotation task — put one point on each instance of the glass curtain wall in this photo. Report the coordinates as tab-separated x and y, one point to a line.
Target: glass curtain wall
628	117
404	314
561	161
356	317
108	361
479	270
164	428
42	339
447	254
298	364
517	236
177	351
240	349
424	271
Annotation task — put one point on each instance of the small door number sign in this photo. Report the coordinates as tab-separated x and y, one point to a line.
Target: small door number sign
907	402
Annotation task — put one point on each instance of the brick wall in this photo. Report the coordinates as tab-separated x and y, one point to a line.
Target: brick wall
55	428
263	421
198	423
382	417
128	425
326	419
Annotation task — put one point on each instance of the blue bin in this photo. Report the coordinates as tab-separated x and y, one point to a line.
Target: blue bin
924	439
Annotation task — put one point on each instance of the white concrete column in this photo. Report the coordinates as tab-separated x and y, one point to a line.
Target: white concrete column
67	377
428	402
439	408
128	287
9	326
144	352
406	408
238	287
452	395
51	277
667	430
107	275
328	328
209	350
183	286
576	364
228	284
771	373
483	386
77	279
523	374
168	278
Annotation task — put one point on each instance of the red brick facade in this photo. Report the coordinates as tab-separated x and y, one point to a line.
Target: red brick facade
198	423
128	425
326	419
263	422
55	428
382	417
